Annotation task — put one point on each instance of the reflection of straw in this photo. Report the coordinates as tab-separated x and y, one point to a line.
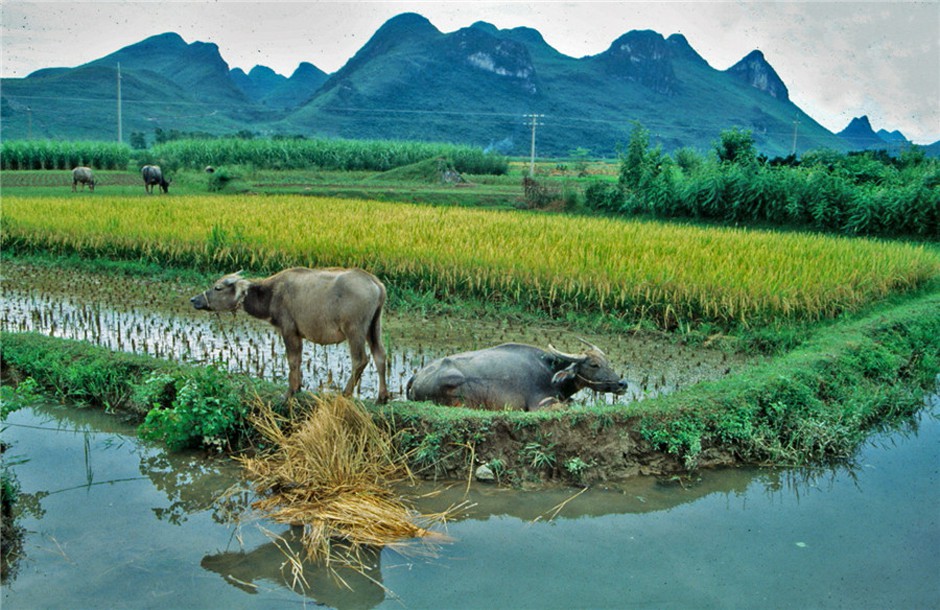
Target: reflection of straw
330	472
560	506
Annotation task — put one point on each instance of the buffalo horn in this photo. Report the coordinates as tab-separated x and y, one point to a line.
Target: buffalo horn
564	356
590	345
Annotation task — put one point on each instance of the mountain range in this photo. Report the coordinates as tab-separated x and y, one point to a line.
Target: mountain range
478	85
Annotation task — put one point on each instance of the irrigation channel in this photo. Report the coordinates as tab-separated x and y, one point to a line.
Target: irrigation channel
108	521
156	318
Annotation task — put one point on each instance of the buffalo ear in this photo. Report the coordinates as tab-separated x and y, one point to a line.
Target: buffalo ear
565	375
232	278
241	289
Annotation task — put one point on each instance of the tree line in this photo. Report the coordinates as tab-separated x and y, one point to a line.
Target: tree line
865	193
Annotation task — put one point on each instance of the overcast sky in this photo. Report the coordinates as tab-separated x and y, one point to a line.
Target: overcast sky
839	60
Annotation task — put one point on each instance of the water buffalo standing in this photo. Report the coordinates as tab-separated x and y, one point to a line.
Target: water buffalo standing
325	306
83	175
514	376
153	175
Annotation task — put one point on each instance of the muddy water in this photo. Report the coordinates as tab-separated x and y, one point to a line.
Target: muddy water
112	522
135	315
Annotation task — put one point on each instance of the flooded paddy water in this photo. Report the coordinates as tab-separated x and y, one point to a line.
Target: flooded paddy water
110	521
137	315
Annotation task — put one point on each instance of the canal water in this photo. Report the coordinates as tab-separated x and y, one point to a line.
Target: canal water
110	521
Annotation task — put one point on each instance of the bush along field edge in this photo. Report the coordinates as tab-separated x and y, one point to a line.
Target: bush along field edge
816	404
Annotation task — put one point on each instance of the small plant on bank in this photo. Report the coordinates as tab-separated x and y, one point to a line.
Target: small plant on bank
498	466
577	468
219	179
15	397
428	451
539	456
206	409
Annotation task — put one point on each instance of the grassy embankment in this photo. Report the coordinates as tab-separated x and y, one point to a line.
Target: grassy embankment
813	403
393	185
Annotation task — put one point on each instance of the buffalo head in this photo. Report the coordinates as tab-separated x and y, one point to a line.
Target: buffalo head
226	294
590	369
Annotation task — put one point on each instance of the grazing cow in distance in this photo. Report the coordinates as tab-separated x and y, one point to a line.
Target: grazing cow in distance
83	175
153	175
514	376
325	306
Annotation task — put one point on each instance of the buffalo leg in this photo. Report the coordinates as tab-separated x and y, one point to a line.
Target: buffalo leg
295	349
378	357
357	351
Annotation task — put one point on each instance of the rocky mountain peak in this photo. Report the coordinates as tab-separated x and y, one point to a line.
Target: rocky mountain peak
755	71
860	135
680	48
644	57
485	50
309	71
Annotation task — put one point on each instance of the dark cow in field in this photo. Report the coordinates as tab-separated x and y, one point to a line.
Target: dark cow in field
513	376
83	175
153	176
325	306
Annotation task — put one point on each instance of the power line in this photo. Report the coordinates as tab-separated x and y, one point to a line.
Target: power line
559	121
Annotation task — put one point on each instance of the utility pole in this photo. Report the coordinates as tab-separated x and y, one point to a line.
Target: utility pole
796	126
120	135
534	121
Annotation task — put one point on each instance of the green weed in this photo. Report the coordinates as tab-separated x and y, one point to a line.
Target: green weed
206	409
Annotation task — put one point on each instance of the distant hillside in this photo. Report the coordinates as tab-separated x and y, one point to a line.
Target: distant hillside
860	135
264	86
477	84
164	83
410	81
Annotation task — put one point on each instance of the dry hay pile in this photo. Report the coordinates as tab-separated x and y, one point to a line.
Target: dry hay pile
331	473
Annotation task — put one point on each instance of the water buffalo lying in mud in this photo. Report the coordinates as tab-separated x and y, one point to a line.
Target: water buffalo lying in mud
84	176
153	175
325	306
514	376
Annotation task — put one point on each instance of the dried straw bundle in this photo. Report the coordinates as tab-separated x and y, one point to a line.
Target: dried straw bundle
331	473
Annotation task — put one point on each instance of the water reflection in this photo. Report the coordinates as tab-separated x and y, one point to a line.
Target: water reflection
111	522
271	564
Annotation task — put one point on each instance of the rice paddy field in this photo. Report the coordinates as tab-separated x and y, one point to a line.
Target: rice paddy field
670	275
865	314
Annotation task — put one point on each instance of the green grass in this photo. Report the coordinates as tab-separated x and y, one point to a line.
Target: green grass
482	191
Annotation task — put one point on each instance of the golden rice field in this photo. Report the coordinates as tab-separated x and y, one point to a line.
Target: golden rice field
666	273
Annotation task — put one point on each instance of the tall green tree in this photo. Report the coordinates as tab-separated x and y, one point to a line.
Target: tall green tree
736	146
